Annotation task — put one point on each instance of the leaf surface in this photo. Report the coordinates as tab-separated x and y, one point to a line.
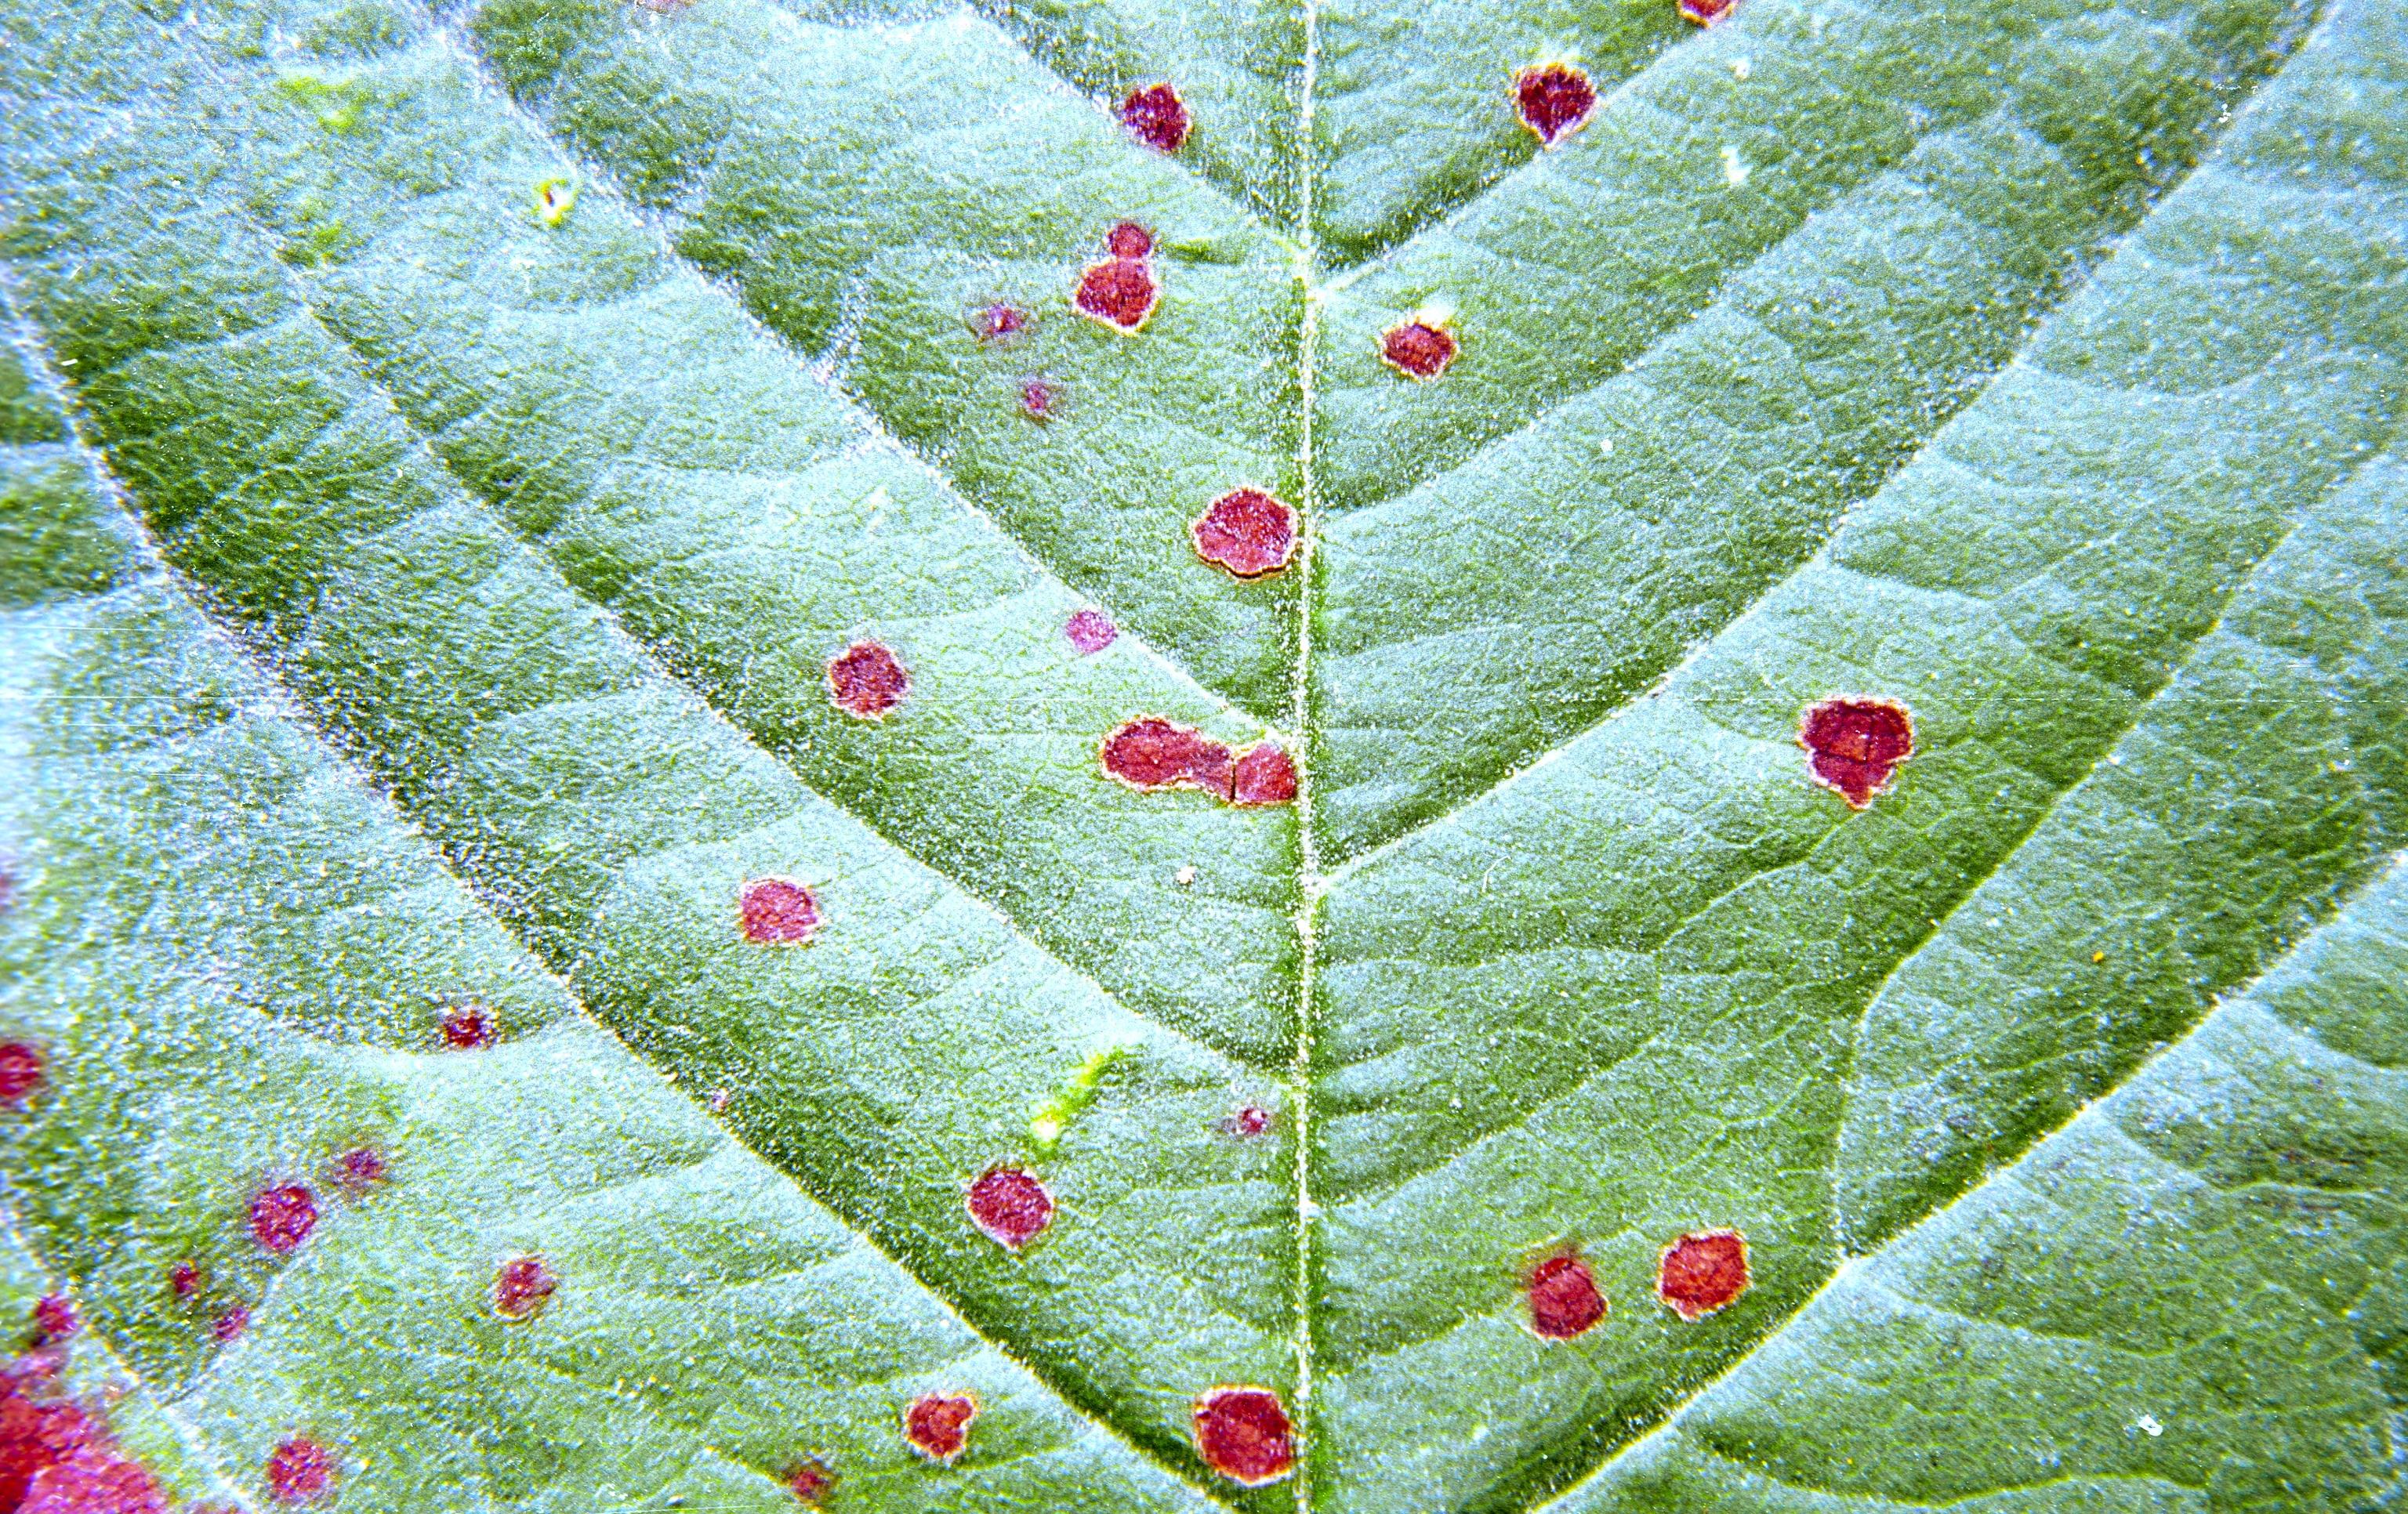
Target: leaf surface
457	450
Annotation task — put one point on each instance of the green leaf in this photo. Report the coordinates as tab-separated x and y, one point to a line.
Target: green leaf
453	445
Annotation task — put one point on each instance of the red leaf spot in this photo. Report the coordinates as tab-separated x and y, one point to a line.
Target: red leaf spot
21	1070
94	1480
185	1278
1151	754
811	1481
938	1426
1243	1434
1011	1207
1417	349
1552	98
1155	115
1129	241
468	1028
360	1170
231	1324
1266	775
1248	1121
777	912
1705	12
1701	1272
1091	632
1001	322
1854	744
1036	399
35	1437
282	1218
523	1288
299	1470
56	1317
1564	1300
866	682
1247	532
1118	292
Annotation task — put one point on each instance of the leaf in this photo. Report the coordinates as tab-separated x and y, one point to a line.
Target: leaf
495	436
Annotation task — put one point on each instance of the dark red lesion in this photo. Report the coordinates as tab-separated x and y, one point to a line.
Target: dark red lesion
1012	1206
522	1287
1091	632
1564	1299
1151	755
1553	99
1701	1272
1001	322
1854	744
1265	775
939	1424
1705	12
777	912
299	1470
1417	349
282	1217
58	1456
467	1027
1119	292
1155	115
1036	399
1245	1434
867	680
1129	241
810	1480
1247	532
21	1070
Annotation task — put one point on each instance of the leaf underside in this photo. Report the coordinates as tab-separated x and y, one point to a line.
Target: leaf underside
445	449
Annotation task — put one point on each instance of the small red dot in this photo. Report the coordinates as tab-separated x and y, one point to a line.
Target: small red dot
468	1028
938	1426
811	1481
361	1169
1247	532
1012	1206
1701	1272
1266	775
1118	292
1155	115
1564	1300
523	1288
777	912
282	1218
184	1278
1248	1121
1854	744
1090	632
1036	399
1243	1434
56	1317
1705	12
1001	322
1417	349
230	1323
1129	241
299	1470
1554	99
1151	754
21	1070
866	680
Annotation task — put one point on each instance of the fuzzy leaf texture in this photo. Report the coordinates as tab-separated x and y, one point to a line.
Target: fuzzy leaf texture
1144	755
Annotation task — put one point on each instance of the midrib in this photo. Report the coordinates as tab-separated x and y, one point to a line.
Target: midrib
1309	885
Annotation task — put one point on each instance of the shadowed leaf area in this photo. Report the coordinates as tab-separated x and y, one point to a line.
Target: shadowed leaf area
1150	755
